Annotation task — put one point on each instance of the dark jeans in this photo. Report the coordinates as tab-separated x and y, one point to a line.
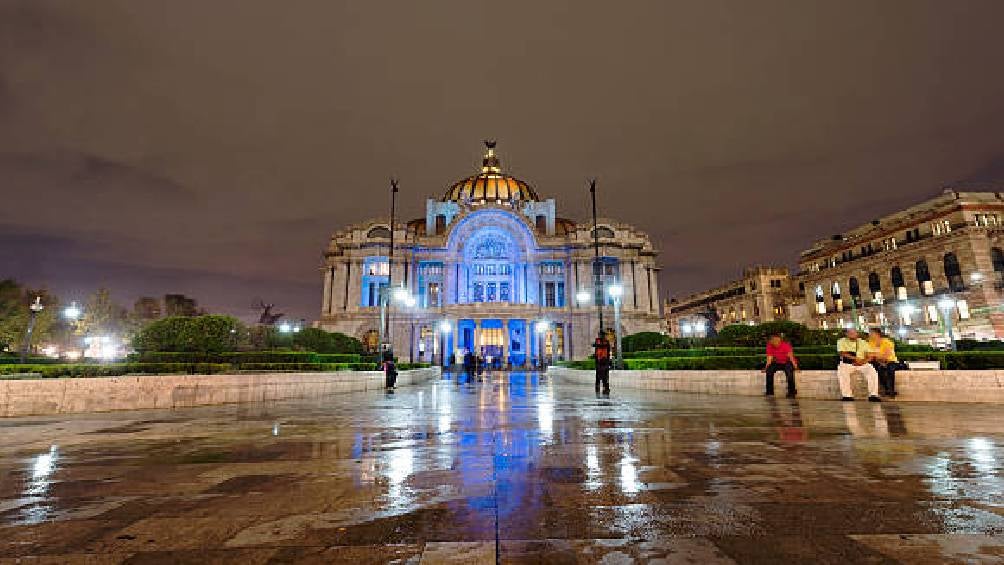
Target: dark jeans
603	377
887	378
789	373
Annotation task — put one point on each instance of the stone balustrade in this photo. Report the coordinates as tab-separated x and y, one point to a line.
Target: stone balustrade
59	396
939	386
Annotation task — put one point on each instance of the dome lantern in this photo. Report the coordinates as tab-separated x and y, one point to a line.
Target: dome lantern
491	185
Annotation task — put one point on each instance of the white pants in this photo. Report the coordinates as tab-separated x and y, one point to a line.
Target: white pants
844	372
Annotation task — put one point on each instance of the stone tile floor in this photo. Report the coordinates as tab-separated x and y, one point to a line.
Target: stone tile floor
513	470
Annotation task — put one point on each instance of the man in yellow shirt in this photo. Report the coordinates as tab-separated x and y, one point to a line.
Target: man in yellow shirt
882	355
854	358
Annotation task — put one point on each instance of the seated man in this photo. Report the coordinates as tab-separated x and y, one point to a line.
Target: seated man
853	353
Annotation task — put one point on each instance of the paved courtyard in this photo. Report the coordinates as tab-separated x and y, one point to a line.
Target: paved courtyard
516	469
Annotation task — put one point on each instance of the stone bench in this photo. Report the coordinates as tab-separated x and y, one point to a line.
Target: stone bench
924	365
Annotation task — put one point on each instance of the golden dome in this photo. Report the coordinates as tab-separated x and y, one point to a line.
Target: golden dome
490	185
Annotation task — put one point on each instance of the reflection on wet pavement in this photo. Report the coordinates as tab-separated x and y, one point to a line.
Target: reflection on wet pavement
514	469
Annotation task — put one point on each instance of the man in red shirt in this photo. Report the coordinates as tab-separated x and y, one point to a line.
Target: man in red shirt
780	357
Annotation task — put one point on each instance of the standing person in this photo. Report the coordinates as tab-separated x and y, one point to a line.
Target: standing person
853	353
780	357
389	370
882	352
468	365
603	364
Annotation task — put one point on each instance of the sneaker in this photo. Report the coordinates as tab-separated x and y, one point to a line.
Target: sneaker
847	398
874	399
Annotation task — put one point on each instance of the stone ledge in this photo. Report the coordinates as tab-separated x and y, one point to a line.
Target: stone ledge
916	386
29	397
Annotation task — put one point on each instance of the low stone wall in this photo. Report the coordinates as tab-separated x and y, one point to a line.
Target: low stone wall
100	394
941	386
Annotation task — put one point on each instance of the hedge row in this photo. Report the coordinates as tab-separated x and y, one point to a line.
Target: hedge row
115	369
962	360
245	357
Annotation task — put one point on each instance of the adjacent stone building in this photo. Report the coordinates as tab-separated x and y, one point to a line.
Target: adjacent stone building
490	268
907	271
763	294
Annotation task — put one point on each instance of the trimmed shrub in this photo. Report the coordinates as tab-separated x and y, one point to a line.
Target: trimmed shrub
115	369
642	341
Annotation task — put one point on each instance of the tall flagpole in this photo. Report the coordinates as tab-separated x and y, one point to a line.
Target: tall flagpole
598	294
386	294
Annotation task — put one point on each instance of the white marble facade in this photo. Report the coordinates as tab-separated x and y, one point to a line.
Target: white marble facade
489	261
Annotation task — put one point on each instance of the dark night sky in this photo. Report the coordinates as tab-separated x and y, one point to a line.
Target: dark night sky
210	147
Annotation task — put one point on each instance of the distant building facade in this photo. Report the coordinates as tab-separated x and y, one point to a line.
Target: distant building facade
908	270
180	305
147	308
491	268
763	294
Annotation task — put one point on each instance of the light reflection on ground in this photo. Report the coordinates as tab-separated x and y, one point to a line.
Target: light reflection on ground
516	467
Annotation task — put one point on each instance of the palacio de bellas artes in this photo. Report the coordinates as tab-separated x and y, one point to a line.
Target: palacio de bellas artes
519	282
491	269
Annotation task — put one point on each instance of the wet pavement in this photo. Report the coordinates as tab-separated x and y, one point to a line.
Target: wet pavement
514	470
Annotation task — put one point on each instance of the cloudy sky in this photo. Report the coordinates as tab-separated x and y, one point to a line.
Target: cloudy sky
210	147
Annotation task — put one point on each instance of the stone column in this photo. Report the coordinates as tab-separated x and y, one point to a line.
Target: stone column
326	298
355	284
505	342
477	335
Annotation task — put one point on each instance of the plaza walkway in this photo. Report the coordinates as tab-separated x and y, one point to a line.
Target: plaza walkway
515	469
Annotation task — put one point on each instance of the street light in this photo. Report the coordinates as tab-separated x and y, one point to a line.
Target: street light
285	328
542	326
583	297
616	291
34	309
699	327
72	312
445	327
947	304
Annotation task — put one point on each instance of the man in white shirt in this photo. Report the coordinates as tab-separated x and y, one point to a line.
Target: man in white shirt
854	359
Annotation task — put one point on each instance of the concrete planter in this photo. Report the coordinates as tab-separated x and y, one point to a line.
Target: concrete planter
942	386
100	394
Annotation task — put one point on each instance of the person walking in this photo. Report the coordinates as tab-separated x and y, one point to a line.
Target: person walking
780	357
603	365
853	353
882	355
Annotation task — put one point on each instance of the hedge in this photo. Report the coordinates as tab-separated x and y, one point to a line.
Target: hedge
956	360
245	357
114	369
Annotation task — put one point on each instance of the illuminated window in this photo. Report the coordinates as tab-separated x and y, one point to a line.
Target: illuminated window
963	309
932	313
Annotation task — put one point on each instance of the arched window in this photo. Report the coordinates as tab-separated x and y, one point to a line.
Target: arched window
924	278
855	290
874	284
997	258
603	231
953	272
379	232
897	277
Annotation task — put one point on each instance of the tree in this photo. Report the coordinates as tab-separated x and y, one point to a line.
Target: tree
102	316
15	314
202	334
320	341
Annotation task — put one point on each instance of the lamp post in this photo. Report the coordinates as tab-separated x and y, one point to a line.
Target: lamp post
597	268
947	304
444	331
616	292
542	326
384	297
34	309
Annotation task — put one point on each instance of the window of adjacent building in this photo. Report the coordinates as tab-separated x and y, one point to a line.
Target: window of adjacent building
988	220
874	284
775	283
906	316
440	224
913	235
924	278
941	227
824	325
541	221
603	231
953	272
898	284
932	313
752	285
855	290
963	309
997	259
889	243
